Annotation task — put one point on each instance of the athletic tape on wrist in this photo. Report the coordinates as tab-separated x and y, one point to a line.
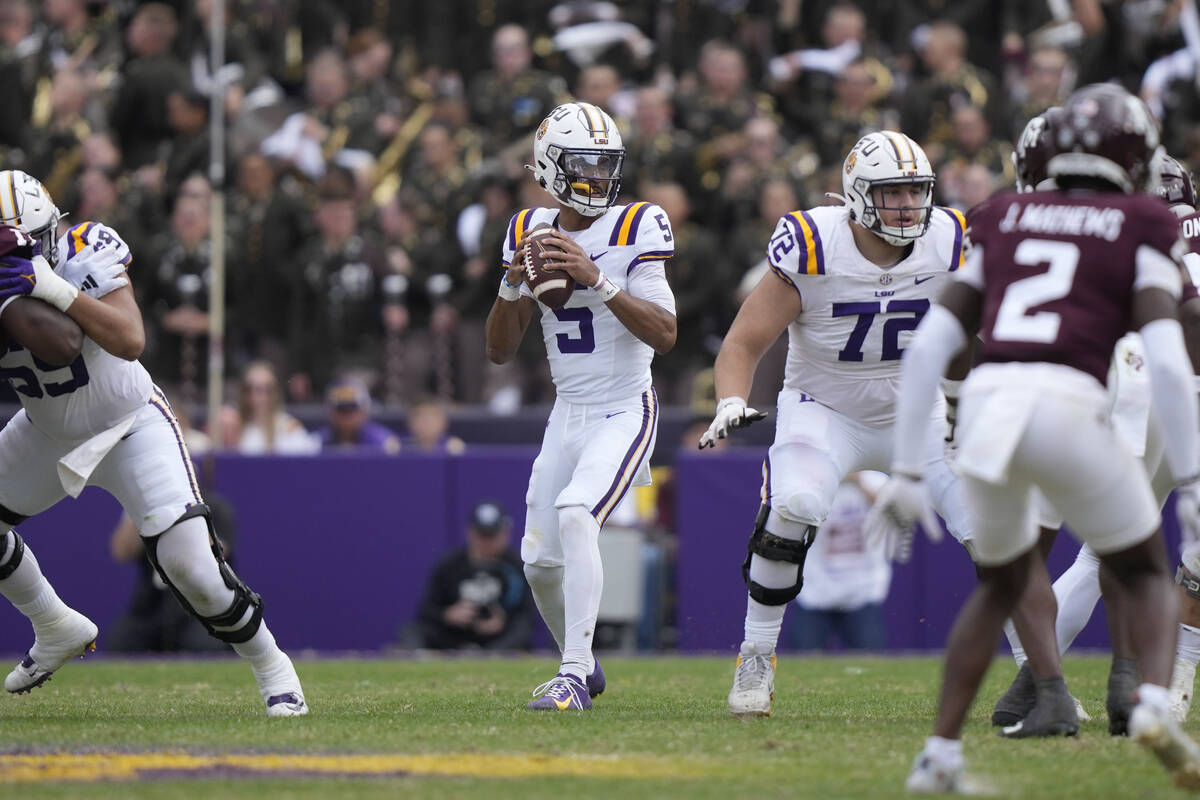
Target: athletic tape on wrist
509	292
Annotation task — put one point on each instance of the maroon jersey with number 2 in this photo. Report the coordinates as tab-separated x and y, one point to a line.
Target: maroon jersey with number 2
1057	272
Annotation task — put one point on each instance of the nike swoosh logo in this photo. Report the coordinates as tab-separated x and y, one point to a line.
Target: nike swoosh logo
610	416
563	705
597	255
919	281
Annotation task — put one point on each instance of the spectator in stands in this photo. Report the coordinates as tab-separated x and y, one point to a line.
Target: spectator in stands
187	114
951	83
332	122
268	224
845	580
857	110
656	151
262	425
477	596
349	426
86	41
717	111
337	317
429	429
1048	78
175	293
55	144
139	115
512	98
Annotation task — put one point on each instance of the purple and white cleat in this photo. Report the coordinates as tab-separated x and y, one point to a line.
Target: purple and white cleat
596	682
288	704
563	692
71	636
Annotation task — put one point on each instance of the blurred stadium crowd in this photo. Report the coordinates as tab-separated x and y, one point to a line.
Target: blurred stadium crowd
375	150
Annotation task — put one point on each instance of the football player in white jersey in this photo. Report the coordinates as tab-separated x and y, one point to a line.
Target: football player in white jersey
602	428
849	283
101	421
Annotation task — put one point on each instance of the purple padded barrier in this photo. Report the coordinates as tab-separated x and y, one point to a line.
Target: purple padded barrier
718	498
340	546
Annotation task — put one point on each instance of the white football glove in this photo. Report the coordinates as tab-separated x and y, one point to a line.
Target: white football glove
732	413
1187	510
899	506
108	278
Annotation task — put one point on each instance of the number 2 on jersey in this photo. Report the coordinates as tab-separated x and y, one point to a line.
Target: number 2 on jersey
1013	320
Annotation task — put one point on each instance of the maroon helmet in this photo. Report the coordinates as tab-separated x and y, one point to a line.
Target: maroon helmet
1176	186
1106	133
1034	149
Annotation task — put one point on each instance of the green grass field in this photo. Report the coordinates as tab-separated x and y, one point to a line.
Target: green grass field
842	728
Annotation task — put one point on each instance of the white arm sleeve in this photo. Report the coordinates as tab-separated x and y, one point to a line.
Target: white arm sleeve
938	338
649	282
1172	387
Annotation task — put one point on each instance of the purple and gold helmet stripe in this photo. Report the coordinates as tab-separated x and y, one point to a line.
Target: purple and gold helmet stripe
806	231
597	126
632	459
898	139
9	212
957	256
625	230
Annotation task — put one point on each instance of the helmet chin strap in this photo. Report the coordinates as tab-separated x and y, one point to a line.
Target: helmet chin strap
836	196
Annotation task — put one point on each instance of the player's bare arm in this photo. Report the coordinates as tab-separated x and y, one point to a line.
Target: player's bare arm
114	322
649	322
507	321
46	332
764	315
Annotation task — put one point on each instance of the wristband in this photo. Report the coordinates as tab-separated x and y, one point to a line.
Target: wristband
606	288
509	292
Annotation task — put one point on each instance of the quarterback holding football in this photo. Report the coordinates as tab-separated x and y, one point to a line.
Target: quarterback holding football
600	338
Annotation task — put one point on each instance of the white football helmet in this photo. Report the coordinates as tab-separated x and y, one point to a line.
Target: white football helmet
26	205
880	159
577	157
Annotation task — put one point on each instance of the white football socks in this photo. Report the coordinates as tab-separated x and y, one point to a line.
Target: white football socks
547	586
1077	591
1188	647
583	582
27	588
763	622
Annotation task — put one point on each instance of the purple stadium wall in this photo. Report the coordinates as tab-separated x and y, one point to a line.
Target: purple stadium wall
339	546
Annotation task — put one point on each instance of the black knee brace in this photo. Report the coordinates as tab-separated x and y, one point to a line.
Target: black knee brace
223	626
12	518
1189	582
776	548
14	561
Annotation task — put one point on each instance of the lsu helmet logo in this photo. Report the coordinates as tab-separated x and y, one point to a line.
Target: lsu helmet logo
541	131
850	159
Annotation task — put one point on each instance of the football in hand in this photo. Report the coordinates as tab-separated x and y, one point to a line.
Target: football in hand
551	287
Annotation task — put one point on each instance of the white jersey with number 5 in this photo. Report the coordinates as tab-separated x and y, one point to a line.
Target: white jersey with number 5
593	356
98	389
844	348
